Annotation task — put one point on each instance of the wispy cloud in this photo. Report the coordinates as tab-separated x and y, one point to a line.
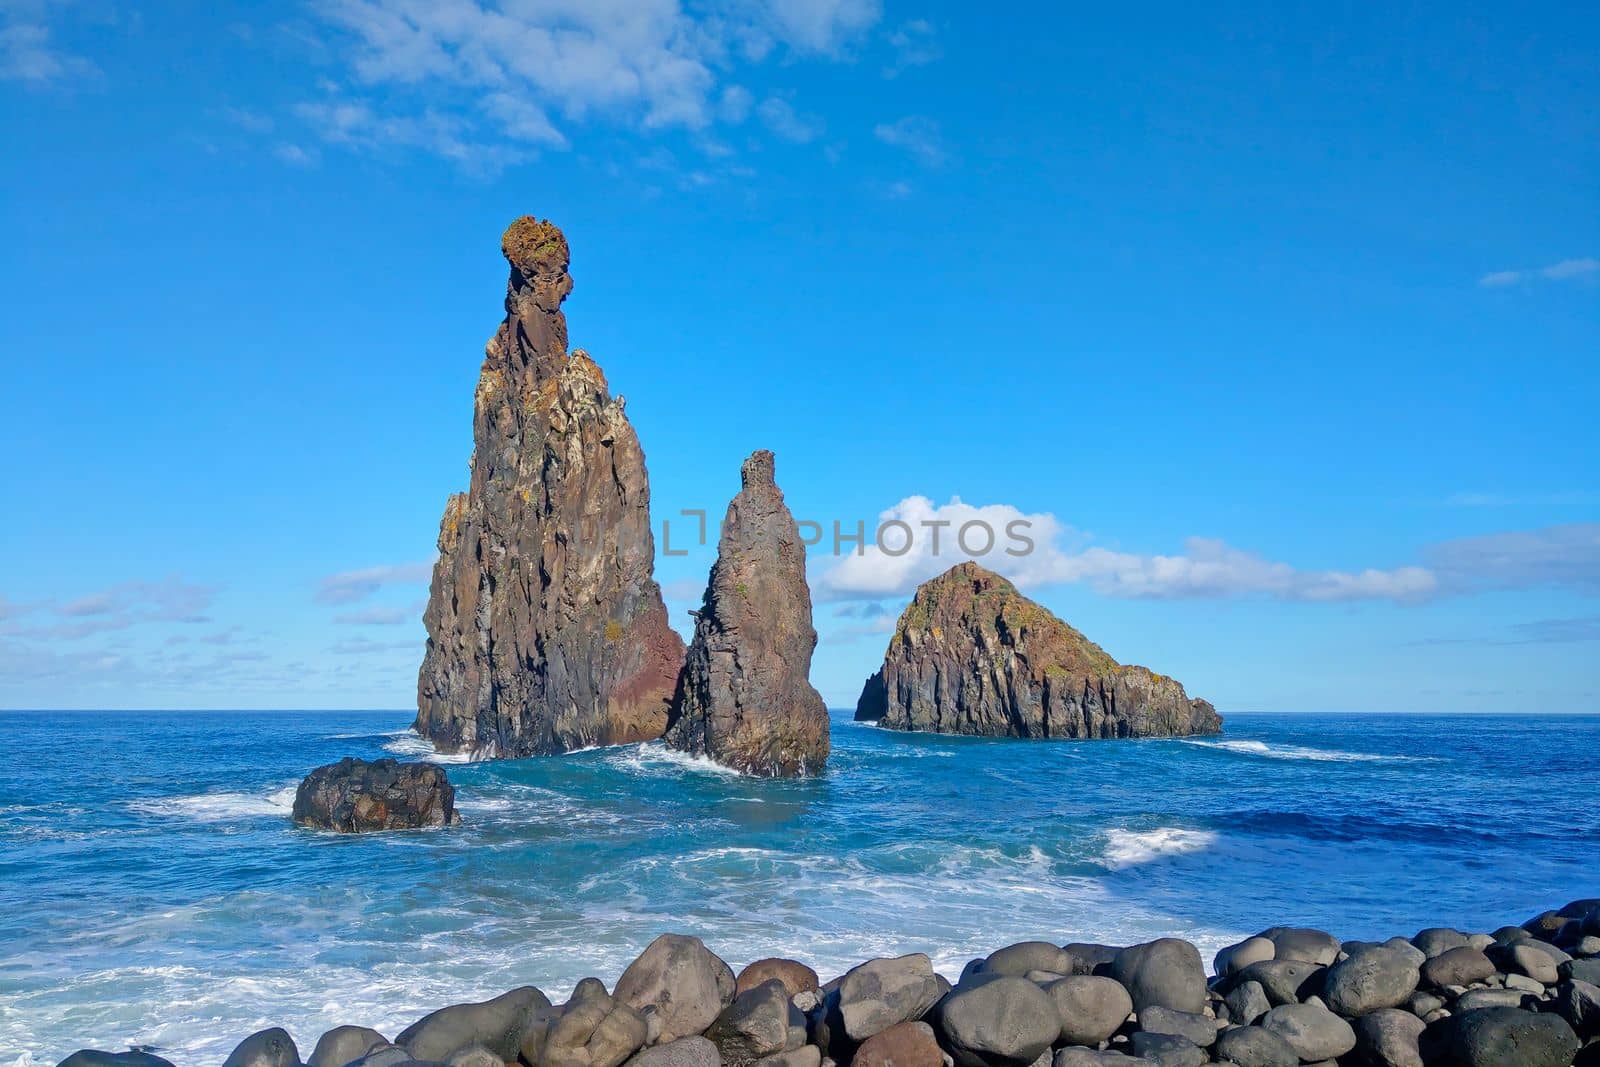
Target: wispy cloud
487	82
119	607
348	587
29	53
1565	270
915	44
782	119
1565	556
916	134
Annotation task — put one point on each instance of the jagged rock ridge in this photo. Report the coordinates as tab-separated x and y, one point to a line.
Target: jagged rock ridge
971	655
546	629
744	698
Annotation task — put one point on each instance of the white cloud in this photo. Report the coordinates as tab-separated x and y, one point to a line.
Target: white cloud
348	587
1565	270
1038	550
28	52
915	44
459	75
1562	556
782	119
916	134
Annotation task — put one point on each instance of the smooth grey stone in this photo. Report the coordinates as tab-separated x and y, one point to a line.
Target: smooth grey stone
1507	935
386	1056
1495	1037
1579	1004
474	1056
1017	960
1474	999
879	993
1422	1003
684	1052
1528	960
1439	939
93	1057
1193	1027
1008	1022
1254	1046
804	1056
1168	1050
1580	971
498	1024
344	1045
686	983
1247	1002
1167	972
1286	981
1389	1037
1480	941
1314	1033
1456	966
265	1048
1523	983
1303	943
1406	949
755	1025
1377	978
593	1029
1235	958
1088	1057
1090	1008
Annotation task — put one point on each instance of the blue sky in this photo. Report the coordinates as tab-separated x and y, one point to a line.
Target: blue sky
1282	321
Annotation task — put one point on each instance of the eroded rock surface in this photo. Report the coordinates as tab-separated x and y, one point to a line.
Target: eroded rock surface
546	629
744	698
357	796
971	655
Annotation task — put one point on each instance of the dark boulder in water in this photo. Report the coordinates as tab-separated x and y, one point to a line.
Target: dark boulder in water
546	629
971	655
356	796
265	1048
93	1057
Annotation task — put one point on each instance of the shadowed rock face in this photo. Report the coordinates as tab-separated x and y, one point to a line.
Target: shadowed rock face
744	697
971	655
546	630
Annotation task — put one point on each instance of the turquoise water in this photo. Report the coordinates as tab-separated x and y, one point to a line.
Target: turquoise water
153	891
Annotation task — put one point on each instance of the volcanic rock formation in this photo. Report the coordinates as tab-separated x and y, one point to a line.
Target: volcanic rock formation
744	698
354	796
971	655
546	630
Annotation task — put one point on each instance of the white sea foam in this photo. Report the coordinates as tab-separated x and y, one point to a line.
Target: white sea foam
654	757
1299	752
220	807
407	743
1134	848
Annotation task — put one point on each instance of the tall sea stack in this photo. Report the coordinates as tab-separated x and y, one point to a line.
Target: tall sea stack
744	698
546	629
971	655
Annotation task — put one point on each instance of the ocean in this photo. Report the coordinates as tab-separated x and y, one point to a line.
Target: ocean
154	892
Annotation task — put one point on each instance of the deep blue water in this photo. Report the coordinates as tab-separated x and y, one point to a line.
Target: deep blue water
153	891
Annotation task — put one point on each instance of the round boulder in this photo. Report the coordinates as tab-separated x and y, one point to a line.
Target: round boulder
1235	958
93	1057
359	796
593	1029
1457	966
344	1045
879	993
1438	939
1194	1028
499	1025
683	981
756	1024
1302	943
1254	1046
1247	1002
1090	1008
265	1048
1493	1037
684	1052
1389	1037
1168	1050
1377	978
1285	981
908	1044
795	976
1315	1033
1007	1022
1167	972
1017	960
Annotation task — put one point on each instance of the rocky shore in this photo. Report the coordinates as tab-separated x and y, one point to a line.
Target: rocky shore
1520	995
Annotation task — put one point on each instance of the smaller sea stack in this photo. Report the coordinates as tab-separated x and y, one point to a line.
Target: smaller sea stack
355	796
971	655
744	697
